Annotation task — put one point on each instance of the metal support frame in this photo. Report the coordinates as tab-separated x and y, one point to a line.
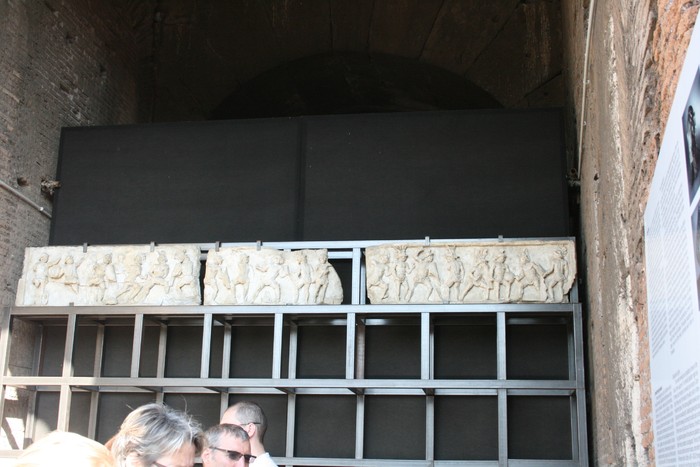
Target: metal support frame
5	331
354	317
96	372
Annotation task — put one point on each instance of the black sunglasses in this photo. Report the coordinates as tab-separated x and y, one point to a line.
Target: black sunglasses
235	455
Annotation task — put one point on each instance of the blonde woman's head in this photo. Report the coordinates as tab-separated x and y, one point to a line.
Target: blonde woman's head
63	449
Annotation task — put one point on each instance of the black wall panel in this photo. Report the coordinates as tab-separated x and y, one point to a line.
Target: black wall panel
178	182
460	174
440	174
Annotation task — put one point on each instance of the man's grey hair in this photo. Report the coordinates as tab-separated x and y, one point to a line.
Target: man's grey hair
214	434
250	412
153	431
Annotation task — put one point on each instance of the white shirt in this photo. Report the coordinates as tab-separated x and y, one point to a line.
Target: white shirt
263	460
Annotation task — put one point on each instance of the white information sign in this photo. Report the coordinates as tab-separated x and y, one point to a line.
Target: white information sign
672	231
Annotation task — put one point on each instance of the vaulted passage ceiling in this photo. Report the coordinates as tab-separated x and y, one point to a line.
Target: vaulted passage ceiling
267	58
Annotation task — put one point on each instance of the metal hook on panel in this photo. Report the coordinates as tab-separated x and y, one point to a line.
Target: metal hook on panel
258	245
153	246
427	241
217	245
500	238
85	247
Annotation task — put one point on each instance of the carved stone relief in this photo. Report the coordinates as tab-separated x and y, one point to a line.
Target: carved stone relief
251	276
502	272
110	275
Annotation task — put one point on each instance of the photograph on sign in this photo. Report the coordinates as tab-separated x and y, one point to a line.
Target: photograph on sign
691	132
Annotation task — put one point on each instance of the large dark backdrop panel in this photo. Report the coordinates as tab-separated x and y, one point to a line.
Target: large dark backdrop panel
373	176
443	175
182	182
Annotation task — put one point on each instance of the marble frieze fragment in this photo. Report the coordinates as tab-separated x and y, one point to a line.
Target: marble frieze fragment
266	276
110	275
478	272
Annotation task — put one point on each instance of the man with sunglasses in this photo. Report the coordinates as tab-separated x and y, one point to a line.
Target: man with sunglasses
226	446
250	416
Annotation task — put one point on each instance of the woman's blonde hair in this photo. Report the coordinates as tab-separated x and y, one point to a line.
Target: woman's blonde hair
152	431
63	449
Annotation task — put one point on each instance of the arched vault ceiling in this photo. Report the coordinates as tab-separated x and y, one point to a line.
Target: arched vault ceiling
196	54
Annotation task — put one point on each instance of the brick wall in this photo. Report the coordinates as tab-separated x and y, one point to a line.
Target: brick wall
62	63
636	54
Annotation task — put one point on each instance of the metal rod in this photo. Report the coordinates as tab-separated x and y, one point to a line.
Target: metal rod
162	348
502	428
360	427
356	279
261	310
501	346
5	319
350	340
64	401
96	372
429	428
277	346
581	386
584	87
226	357
293	350
425	346
206	346
323	386
136	345
291	423
24	198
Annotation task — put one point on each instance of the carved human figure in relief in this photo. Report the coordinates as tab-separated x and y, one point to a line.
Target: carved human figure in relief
300	274
54	278
502	277
453	274
398	275
41	277
110	295
182	279
319	278
156	278
216	281
133	280
101	277
479	276
238	278
70	274
377	285
270	272
530	276
557	275
424	273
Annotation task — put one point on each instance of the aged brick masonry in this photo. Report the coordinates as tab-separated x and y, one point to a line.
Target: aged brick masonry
80	62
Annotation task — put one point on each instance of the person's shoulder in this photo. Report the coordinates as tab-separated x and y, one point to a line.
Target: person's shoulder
264	460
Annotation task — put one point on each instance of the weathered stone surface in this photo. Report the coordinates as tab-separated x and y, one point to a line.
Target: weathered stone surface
636	53
110	275
523	271
250	276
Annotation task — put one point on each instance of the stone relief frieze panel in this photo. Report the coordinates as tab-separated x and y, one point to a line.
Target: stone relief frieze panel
266	276
500	272
110	275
